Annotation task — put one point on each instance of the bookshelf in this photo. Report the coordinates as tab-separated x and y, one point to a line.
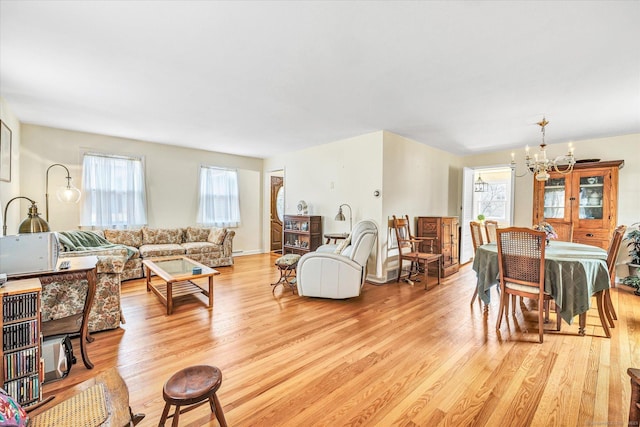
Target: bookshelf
22	364
302	233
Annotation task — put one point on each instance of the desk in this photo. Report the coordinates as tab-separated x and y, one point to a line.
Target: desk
335	237
67	310
573	273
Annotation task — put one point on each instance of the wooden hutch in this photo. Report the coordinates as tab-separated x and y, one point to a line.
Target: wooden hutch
442	233
586	197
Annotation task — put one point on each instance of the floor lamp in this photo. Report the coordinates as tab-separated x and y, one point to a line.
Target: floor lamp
340	215
68	193
33	223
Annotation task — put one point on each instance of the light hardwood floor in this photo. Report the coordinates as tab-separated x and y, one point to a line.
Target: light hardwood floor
397	355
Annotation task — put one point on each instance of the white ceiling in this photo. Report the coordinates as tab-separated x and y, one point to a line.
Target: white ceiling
259	78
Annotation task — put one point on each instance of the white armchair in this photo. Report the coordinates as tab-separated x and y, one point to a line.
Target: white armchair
327	274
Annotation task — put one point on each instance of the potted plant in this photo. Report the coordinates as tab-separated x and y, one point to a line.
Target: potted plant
634	252
634	282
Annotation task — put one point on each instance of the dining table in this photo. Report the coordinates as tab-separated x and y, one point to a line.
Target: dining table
573	273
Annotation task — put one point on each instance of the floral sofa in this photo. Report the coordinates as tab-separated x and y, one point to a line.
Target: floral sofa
64	294
209	246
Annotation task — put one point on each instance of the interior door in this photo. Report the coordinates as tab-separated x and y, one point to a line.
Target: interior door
276	212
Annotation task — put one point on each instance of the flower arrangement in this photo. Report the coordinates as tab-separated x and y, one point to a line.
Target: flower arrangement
547	228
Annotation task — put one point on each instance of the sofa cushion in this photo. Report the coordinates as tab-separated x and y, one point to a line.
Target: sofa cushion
196	234
150	251
124	237
217	235
161	236
201	248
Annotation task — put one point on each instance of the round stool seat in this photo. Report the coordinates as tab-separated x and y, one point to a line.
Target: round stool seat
287	261
192	385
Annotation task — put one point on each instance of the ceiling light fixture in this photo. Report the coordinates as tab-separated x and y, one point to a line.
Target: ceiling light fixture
480	186
539	165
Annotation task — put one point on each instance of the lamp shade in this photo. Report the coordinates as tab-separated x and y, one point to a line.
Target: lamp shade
33	223
68	194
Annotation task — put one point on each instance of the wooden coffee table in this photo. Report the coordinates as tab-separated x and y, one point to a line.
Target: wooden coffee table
177	274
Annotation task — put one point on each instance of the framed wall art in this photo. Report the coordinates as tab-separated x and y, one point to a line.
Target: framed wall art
5	152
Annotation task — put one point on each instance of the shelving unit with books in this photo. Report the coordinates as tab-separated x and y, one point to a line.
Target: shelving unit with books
22	364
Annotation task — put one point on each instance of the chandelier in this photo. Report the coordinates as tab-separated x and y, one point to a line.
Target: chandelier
480	186
539	165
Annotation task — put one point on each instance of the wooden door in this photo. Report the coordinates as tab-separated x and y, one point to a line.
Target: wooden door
277	211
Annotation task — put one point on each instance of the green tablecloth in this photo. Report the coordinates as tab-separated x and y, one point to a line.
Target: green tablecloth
573	273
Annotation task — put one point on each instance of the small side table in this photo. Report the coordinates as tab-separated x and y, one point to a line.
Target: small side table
287	266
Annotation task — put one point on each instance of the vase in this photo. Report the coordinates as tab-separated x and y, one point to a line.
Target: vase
548	240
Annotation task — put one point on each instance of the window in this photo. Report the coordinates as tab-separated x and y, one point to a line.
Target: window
114	192
219	197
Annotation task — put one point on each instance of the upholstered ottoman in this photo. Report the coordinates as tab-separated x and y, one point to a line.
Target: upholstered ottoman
287	266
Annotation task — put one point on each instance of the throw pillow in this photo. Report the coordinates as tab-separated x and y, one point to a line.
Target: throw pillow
161	236
343	244
11	413
217	235
124	237
197	234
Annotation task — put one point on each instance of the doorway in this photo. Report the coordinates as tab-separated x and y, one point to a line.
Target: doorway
493	199
276	211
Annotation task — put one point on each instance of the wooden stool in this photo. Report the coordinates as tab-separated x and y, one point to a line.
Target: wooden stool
287	265
195	386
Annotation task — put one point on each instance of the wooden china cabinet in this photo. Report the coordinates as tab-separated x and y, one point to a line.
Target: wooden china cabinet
586	197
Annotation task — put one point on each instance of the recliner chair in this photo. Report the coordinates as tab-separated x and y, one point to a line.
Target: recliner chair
331	275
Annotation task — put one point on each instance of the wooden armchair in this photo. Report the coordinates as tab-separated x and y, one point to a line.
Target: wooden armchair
491	228
476	237
634	408
521	265
108	397
409	250
612	255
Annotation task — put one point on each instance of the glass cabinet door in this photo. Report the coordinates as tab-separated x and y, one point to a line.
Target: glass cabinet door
591	191
555	198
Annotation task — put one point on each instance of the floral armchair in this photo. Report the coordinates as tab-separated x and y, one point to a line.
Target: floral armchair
63	295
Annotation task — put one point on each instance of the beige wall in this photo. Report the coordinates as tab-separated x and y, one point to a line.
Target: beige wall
624	147
8	190
171	178
418	181
325	176
413	179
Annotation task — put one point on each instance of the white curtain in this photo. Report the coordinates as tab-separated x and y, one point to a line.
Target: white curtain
219	198
113	192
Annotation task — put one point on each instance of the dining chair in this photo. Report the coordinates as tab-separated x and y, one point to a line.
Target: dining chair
521	265
409	250
612	255
634	407
564	230
491	227
476	237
